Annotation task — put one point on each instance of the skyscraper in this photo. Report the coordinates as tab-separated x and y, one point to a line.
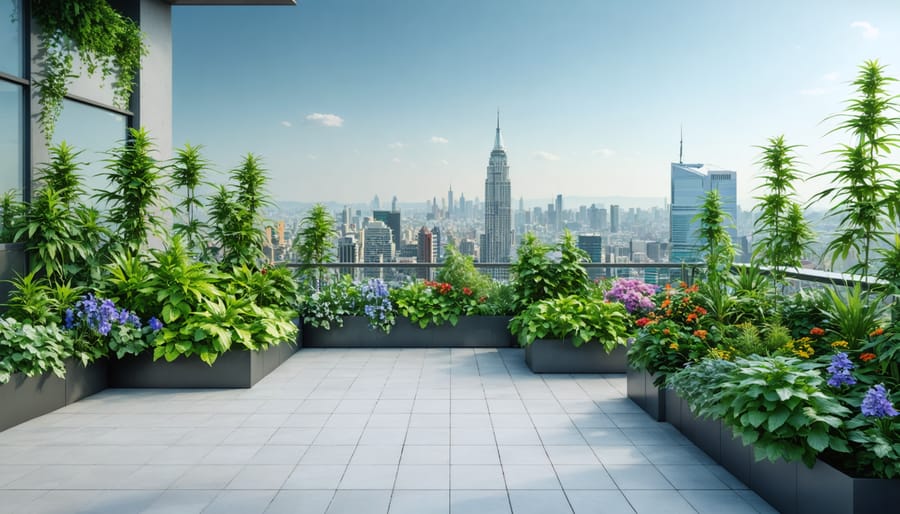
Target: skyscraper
559	210
378	245
425	250
613	219
593	245
450	202
690	183
497	239
392	220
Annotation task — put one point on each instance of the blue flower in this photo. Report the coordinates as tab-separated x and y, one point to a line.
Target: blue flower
155	324
70	319
877	404
840	371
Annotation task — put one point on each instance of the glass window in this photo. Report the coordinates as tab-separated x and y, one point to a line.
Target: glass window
11	137
11	37
94	132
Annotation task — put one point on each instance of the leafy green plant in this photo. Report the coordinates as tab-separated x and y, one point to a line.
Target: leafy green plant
701	385
459	271
135	196
541	272
574	318
716	246
103	39
235	216
34	300
860	194
186	176
11	211
777	404
435	302
314	245
127	281
781	233
31	349
854	317
329	305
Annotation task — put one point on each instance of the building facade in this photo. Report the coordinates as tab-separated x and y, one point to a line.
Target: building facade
496	243
690	183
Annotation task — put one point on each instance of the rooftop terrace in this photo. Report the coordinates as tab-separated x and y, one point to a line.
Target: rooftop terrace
367	431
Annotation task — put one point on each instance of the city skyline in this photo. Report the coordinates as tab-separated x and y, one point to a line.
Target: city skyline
348	99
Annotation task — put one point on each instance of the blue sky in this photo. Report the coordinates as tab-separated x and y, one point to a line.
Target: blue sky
345	99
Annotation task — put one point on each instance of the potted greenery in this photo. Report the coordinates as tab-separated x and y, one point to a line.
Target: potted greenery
573	334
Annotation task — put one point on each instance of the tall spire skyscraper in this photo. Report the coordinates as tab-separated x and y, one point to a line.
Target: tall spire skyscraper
496	243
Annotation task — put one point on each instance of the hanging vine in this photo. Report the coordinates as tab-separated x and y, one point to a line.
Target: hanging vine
103	39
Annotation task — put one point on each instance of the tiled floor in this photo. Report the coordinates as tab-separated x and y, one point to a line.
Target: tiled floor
367	431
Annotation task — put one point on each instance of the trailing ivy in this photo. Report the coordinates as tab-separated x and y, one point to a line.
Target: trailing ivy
102	38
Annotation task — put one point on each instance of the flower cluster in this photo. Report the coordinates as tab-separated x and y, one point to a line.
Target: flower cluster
99	315
635	295
877	404
840	371
441	287
377	304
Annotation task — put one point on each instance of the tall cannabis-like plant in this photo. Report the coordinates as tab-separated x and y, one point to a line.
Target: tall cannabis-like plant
135	195
11	210
314	244
716	246
236	217
61	173
187	169
860	194
782	234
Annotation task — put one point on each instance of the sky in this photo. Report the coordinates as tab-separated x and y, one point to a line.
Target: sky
346	99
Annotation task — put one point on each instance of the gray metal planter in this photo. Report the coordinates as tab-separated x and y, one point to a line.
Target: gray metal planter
561	356
233	369
83	381
24	398
469	332
641	390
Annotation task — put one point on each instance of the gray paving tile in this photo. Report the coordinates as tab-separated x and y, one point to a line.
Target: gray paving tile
669	454
656	501
599	502
581	476
637	476
159	477
240	502
571	454
207	476
480	501
425	436
327	454
231	454
434	477
691	476
530	477
465	476
620	455
717	502
517	436
315	477
420	502
474	454
181	502
360	502
381	436
539	502
339	436
377	454
425	455
756	502
261	477
278	454
471	436
369	476
523	455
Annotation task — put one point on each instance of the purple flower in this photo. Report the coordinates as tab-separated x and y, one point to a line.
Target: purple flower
634	294
70	319
840	370
155	324
877	404
124	317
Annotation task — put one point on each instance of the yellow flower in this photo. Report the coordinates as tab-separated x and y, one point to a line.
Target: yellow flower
673	346
718	353
840	344
802	349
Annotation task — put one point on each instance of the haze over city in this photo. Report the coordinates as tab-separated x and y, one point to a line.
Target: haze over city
348	99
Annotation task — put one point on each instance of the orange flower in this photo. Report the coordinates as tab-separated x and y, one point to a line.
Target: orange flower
666	303
700	333
691	318
666	331
877	332
668	287
816	331
866	357
683	285
643	322
685	300
700	311
467	291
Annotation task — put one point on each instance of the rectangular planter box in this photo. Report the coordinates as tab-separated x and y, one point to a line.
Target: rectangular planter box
24	398
674	406
645	394
233	369
705	433
790	487
469	332
83	381
561	356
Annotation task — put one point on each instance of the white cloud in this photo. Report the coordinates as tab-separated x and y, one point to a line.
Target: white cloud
439	140
396	160
546	156
445	162
326	120
816	91
831	77
286	124
605	152
396	145
869	31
